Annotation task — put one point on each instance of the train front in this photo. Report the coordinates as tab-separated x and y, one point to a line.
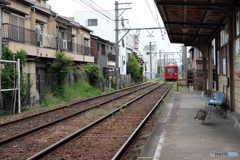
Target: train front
171	72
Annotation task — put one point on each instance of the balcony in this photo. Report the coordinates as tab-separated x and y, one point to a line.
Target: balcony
31	37
19	34
112	58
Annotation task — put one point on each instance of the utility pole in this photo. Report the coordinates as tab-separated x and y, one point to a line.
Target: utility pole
116	39
150	60
116	46
185	64
1	103
160	62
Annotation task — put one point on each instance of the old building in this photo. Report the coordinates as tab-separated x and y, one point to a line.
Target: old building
31	25
146	59
214	28
104	28
104	55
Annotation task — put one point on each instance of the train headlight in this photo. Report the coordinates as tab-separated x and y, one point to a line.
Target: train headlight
175	73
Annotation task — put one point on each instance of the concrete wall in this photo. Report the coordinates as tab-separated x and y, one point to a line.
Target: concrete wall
146	58
225	90
237	93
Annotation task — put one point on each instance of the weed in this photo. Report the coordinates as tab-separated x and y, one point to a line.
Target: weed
122	109
137	149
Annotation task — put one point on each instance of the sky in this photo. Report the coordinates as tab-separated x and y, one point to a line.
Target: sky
143	14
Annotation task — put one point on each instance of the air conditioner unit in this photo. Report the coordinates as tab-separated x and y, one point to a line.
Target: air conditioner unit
65	44
40	43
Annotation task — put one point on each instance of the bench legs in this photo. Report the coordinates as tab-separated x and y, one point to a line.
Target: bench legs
210	111
207	108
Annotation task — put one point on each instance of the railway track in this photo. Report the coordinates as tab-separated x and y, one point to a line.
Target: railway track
27	144
109	136
22	126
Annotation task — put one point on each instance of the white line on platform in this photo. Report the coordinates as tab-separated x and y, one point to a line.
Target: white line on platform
159	147
157	153
170	112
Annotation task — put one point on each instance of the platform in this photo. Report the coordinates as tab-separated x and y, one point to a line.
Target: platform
178	136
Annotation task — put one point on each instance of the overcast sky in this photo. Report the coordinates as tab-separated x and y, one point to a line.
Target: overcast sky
140	16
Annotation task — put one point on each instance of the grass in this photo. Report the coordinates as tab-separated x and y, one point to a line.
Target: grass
79	89
137	149
173	89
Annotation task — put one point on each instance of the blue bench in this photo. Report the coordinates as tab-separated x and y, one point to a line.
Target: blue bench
214	101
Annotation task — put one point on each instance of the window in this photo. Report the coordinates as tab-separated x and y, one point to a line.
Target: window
175	69
166	70
17	32
86	42
92	22
237	23
37	1
61	34
200	54
103	49
170	69
17	20
39	29
224	35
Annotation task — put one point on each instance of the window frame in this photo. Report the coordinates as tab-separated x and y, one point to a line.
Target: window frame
92	24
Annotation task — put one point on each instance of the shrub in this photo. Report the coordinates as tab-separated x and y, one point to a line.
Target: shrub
94	74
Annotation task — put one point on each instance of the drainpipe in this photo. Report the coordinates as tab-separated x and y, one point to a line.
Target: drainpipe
195	58
57	49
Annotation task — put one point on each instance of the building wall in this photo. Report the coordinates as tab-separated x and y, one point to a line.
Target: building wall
237	93
40	54
106	31
146	59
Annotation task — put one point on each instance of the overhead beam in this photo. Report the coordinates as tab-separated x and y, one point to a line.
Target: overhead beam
205	18
216	8
187	34
185	16
195	24
175	3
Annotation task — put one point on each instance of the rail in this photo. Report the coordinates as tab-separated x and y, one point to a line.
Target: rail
6	140
189	80
124	147
77	133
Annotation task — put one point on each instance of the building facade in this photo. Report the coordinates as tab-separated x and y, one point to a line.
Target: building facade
31	25
133	40
104	55
146	59
106	30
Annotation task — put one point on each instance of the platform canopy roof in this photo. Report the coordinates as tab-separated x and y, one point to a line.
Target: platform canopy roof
191	20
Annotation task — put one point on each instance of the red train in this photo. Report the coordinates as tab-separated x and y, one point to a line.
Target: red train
171	72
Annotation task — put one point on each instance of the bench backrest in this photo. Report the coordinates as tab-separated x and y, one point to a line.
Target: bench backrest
220	97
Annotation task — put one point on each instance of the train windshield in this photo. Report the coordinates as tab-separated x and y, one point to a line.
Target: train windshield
170	69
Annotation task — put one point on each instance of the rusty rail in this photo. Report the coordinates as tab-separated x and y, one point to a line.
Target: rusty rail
189	80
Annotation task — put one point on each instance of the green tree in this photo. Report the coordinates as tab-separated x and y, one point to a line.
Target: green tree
60	66
158	68
190	74
133	67
9	74
94	74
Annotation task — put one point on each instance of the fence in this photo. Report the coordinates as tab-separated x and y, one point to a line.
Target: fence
190	81
148	75
126	79
112	57
20	34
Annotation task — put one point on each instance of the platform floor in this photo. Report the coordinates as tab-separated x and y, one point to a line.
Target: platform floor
178	136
